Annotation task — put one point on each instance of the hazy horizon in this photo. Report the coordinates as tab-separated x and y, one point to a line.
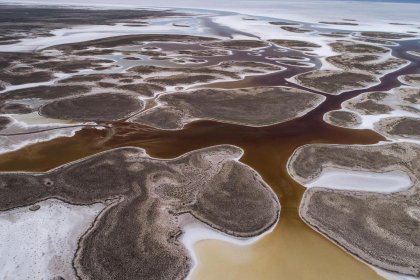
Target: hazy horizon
302	10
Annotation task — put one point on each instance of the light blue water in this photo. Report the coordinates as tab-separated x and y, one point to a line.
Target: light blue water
382	11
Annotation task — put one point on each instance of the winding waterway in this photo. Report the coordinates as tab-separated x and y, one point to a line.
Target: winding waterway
292	250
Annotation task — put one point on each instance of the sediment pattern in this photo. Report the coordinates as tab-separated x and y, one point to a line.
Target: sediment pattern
399	127
4	122
342	118
335	82
103	107
137	237
250	106
152	79
411	80
381	229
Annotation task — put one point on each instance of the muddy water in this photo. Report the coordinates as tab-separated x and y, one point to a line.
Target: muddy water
291	250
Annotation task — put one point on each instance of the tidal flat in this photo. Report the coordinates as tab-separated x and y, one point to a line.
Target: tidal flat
204	144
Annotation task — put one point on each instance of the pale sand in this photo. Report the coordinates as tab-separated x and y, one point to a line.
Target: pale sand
195	233
393	276
342	179
16	142
41	244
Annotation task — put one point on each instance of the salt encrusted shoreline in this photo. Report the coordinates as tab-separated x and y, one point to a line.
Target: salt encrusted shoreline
194	233
27	129
393	113
170	200
344	179
374	239
215	100
323	51
57	227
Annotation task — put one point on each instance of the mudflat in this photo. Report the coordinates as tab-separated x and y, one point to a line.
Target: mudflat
360	222
342	118
249	106
334	81
95	107
152	200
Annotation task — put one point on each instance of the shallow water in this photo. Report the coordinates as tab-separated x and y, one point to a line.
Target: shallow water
291	249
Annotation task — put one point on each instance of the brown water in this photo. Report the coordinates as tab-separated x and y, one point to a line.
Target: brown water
292	250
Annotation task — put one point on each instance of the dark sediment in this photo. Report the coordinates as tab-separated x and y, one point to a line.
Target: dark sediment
282	23
96	107
387	35
207	52
183	79
251	106
352	47
296	133
44	92
361	222
339	23
13	102
370	107
373	103
342	118
399	127
13	78
335	82
238	44
366	63
34	207
376	41
127	40
295	29
137	237
142	89
14	108
411	80
295	44
4	122
40	21
74	65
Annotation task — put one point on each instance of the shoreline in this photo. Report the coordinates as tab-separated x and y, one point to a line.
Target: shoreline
338	244
387	274
289	10
196	232
364	183
199	228
54	250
